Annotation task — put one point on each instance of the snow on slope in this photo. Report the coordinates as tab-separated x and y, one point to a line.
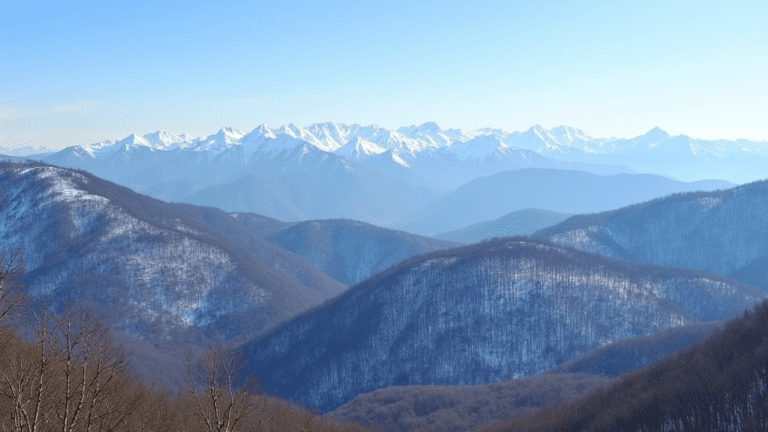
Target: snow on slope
425	155
478	314
149	268
331	137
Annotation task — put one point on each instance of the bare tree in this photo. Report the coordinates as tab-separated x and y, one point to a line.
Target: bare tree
90	367
25	371
11	292
217	402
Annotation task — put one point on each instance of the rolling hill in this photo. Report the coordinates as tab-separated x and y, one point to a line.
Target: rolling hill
723	231
149	268
518	223
351	251
478	314
566	191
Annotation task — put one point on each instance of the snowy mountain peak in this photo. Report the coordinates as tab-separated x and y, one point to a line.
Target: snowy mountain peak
427	146
167	141
462	135
329	136
230	133
536	138
568	135
221	141
259	134
428	128
290	129
359	148
656	133
429	133
264	130
134	140
477	149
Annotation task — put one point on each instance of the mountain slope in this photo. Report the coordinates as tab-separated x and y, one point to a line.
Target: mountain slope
517	223
329	187
260	225
567	191
629	355
148	268
682	230
477	314
350	251
715	385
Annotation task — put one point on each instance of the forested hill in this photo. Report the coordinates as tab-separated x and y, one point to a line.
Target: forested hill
722	231
481	313
149	268
718	384
350	251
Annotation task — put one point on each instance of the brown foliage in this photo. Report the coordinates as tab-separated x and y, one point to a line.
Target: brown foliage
459	408
720	384
69	376
72	378
11	292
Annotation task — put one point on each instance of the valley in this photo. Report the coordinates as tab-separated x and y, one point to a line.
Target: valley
383	216
366	272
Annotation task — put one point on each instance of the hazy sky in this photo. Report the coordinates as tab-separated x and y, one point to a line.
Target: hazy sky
80	72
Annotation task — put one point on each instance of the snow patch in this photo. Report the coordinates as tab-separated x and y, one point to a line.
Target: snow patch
444	262
708	202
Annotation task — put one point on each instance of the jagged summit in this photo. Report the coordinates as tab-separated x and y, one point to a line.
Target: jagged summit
431	154
133	140
359	148
657	133
230	133
427	128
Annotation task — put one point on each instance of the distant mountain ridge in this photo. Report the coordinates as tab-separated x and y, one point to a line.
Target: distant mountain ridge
561	191
351	251
517	223
423	148
372	174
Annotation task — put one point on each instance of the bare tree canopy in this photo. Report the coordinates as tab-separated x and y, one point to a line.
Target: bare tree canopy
11	291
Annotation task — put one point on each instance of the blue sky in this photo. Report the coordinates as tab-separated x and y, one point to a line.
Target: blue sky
80	72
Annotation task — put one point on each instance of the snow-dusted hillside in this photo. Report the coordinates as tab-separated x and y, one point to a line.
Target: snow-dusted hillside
479	314
151	269
722	231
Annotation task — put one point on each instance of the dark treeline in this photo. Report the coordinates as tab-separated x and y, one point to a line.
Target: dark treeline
62	372
628	355
716	385
461	408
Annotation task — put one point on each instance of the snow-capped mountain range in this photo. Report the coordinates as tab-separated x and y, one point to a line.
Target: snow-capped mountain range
383	176
429	151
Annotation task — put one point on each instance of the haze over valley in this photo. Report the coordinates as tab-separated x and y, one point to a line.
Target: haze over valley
328	310
383	216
